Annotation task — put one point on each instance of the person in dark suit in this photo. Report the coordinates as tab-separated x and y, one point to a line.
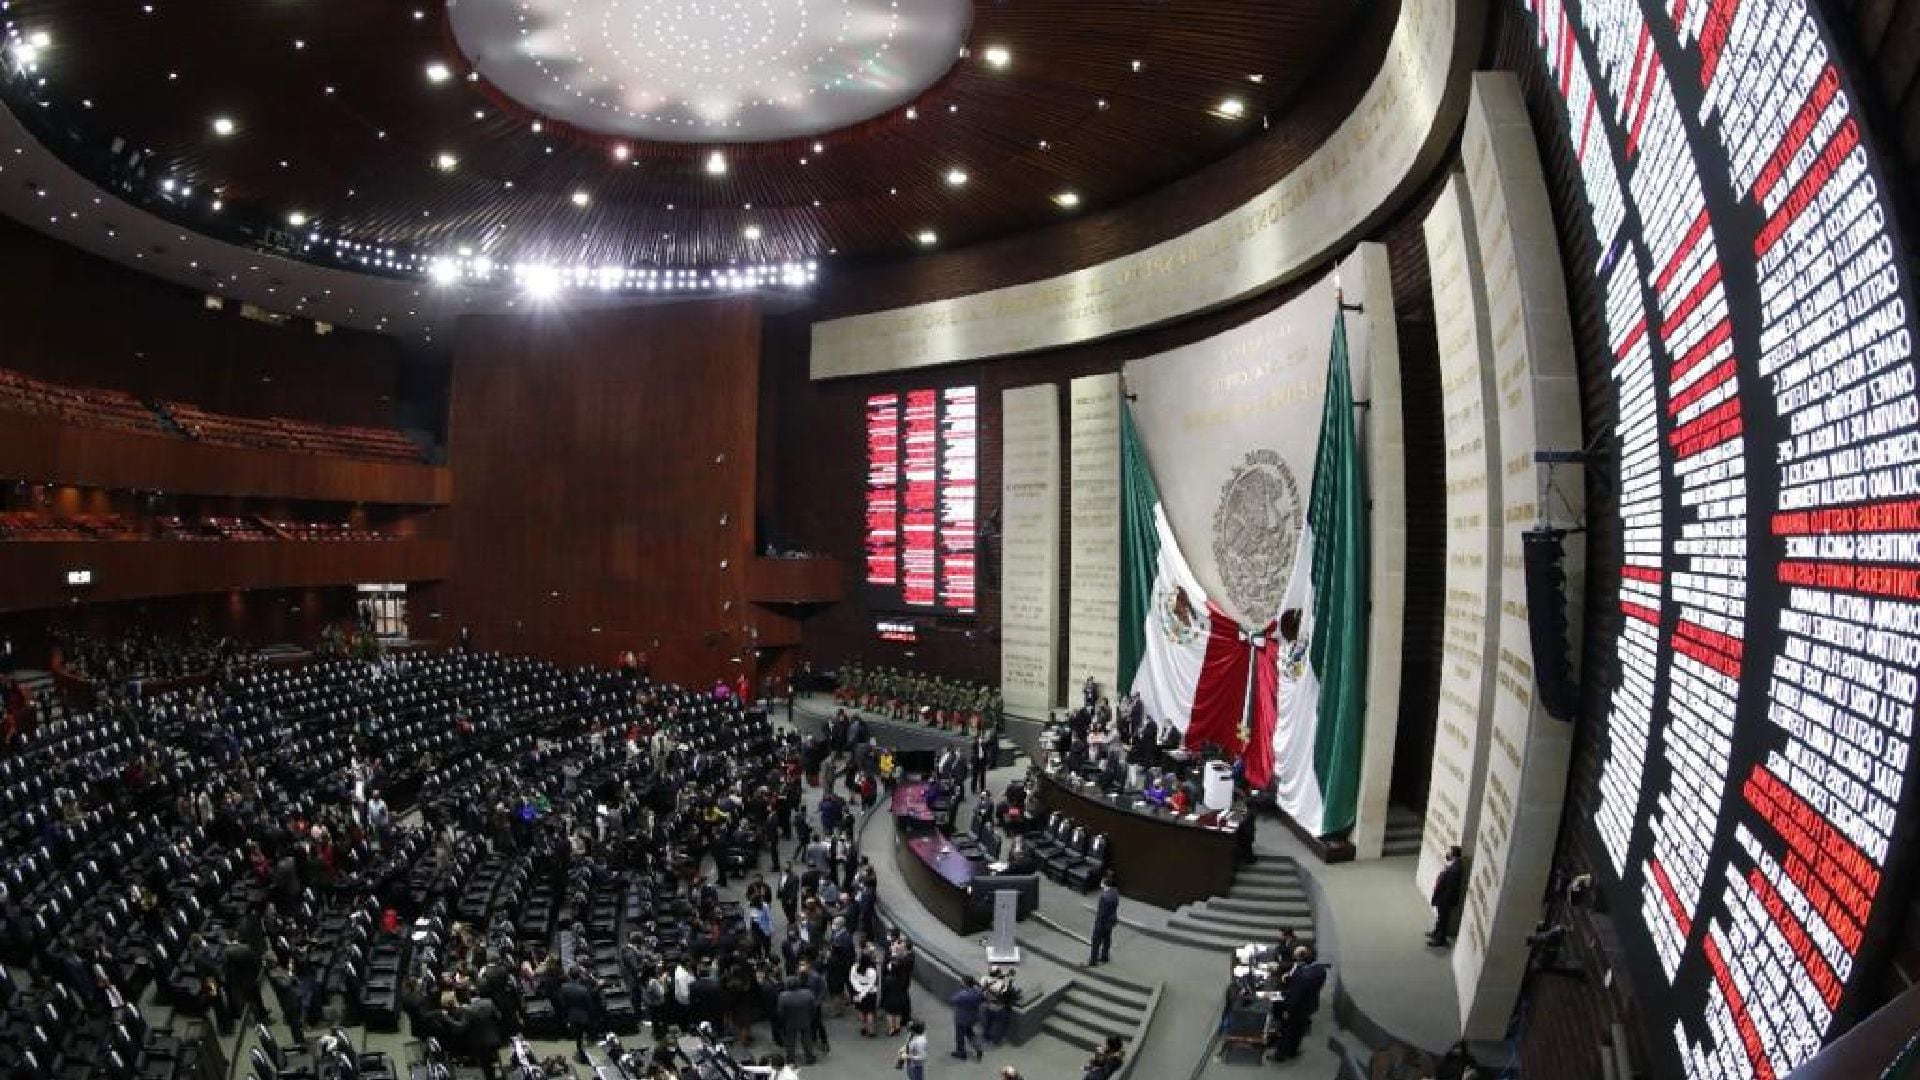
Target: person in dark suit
1300	999
1106	915
966	1003
1448	886
579	1010
984	751
480	1023
794	1009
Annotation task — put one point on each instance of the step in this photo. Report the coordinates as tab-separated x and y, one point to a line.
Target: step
1237	923
1113	985
1097	1014
1242	932
1260	907
1074	1033
1089	983
1270	868
1257	889
1227	941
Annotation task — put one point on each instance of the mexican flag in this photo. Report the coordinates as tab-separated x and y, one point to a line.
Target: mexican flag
1185	657
1321	651
1165	617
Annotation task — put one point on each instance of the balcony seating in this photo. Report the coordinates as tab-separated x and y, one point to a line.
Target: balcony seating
85	405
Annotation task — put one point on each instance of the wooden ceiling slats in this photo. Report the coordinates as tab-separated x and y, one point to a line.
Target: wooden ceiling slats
235	57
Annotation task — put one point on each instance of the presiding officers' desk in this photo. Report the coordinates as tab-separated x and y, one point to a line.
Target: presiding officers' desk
1164	860
937	873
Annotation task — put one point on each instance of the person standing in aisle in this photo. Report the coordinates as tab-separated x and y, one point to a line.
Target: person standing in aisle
1105	917
1447	887
913	1056
966	1003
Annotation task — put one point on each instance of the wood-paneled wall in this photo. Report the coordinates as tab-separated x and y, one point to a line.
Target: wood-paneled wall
38	450
607	470
256	617
33	574
73	317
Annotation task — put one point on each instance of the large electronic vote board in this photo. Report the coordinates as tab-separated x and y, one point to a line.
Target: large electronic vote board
1755	794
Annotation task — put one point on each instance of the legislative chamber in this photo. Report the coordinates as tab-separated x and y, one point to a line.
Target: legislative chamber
654	539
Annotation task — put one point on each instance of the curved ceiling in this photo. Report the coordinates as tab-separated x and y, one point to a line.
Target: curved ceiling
363	121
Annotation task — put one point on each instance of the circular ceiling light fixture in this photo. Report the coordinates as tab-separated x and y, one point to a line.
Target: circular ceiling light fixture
751	232
1067	200
716	164
1231	108
581	198
956	177
437	72
446	162
223	126
927	237
997	56
738	70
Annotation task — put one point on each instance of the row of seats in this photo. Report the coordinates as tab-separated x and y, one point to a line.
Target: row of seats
280	433
1068	853
117	410
30	525
85	405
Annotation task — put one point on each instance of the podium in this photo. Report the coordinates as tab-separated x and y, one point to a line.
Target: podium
1001	947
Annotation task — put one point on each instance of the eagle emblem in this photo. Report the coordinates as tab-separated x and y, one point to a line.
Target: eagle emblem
1255	530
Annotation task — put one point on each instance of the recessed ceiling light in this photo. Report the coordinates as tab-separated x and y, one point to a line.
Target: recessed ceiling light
296	219
223	125
1256	78
621	152
1067	200
819	148
956	177
997	56
1101	104
446	162
299	43
927	237
913	113
716	164
1135	65
581	198
1232	108
538	127
751	232
438	73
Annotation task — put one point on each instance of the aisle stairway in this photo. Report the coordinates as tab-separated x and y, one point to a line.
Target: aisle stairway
1265	897
1404	827
1096	1005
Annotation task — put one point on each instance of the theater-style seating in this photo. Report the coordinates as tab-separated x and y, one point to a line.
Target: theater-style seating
85	405
279	433
31	525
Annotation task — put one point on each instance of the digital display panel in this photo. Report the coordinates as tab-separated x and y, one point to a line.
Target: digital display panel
1757	745
922	491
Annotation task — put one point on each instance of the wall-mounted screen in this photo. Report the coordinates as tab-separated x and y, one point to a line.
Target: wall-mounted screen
922	492
1756	753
